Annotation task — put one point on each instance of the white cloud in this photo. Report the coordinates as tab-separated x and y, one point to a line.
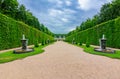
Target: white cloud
54	12
60	13
70	11
65	20
83	4
91	4
68	3
58	3
58	16
109	0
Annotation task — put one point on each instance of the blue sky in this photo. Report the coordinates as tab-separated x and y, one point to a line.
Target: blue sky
62	16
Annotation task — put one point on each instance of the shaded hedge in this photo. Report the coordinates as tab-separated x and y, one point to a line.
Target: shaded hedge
11	32
111	29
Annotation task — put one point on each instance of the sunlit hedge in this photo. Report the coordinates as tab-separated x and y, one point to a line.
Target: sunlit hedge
11	32
111	29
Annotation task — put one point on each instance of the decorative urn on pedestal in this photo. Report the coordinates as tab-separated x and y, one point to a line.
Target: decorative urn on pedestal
24	48
103	48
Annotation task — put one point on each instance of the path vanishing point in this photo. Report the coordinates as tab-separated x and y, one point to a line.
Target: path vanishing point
62	61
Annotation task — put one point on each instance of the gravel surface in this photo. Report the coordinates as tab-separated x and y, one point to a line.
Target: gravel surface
62	61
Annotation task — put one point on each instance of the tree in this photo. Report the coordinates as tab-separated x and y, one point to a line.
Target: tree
116	8
110	11
21	14
105	13
9	7
95	20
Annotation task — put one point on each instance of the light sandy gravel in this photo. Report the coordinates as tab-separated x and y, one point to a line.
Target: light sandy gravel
62	61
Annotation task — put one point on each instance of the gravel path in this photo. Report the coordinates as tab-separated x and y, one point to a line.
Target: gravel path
62	61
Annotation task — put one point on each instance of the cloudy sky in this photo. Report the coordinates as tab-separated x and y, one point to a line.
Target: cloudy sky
62	16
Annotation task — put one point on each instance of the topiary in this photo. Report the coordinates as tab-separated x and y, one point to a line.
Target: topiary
80	43
87	43
42	43
36	43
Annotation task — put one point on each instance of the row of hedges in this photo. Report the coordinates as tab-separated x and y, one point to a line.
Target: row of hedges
111	29
11	32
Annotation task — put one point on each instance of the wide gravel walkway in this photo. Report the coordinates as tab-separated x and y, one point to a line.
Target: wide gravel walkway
62	61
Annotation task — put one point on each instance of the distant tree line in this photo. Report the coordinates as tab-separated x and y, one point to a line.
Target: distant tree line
107	12
13	9
60	35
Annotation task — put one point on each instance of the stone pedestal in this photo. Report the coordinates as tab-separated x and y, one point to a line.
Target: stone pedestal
24	48
103	44
24	44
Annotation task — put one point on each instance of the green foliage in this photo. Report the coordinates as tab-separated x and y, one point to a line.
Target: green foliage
11	8
80	43
87	43
36	43
110	29
43	43
109	11
11	32
90	50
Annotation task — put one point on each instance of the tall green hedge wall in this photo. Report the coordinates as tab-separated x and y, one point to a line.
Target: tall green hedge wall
111	29
11	32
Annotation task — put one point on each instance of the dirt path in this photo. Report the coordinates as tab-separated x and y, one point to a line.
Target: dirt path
62	61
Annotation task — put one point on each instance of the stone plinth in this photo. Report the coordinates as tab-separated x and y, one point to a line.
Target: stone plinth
24	48
103	46
24	44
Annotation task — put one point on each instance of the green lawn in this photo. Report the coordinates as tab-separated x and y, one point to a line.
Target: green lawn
10	56
90	50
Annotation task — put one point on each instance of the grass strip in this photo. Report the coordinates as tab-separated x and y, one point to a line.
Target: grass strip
90	50
10	56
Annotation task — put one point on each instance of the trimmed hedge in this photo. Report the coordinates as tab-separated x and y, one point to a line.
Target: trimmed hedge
11	32
111	29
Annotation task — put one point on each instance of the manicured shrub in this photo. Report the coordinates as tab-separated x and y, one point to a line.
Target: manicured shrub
11	32
80	43
43	43
109	28
87	44
36	43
